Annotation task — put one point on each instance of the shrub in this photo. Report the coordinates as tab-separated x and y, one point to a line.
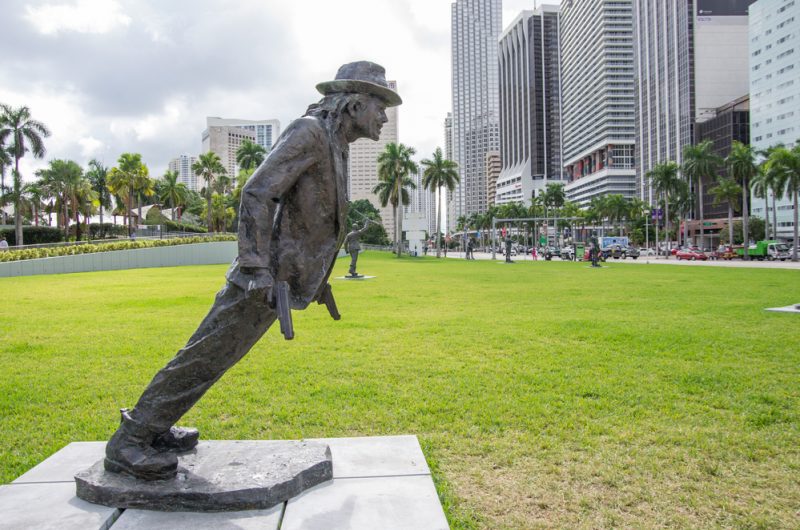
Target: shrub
174	226
102	231
52	252
34	235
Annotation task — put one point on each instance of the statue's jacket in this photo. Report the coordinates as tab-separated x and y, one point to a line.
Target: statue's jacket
293	210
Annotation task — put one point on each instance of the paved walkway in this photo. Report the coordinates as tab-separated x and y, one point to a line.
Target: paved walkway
655	260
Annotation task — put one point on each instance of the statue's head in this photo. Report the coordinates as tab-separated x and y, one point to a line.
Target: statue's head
361	92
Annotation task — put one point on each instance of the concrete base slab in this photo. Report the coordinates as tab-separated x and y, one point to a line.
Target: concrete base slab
407	503
383	482
359	277
795	308
50	507
215	477
246	520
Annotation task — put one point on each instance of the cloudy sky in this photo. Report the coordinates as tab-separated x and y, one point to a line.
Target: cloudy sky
110	76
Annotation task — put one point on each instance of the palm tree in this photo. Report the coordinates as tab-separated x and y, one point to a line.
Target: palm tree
617	208
23	134
172	191
250	155
664	180
5	160
209	166
33	194
98	178
742	167
700	163
61	180
394	167
728	191
439	173
123	181
760	186
787	164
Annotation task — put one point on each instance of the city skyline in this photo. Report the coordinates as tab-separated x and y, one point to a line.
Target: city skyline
114	76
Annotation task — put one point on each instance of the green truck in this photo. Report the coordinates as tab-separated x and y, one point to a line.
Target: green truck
769	250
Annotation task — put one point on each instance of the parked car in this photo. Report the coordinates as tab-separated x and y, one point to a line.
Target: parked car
630	252
644	251
689	254
567	253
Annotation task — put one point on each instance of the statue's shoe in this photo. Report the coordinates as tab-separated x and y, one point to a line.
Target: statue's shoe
130	451
177	439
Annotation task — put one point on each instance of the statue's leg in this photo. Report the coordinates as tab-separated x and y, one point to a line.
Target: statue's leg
233	325
353	261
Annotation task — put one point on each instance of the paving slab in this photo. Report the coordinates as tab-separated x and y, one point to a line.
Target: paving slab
247	520
389	503
50	507
63	465
376	456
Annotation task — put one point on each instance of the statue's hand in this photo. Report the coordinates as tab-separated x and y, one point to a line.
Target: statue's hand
258	279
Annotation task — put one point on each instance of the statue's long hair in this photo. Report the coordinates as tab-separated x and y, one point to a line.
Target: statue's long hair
332	107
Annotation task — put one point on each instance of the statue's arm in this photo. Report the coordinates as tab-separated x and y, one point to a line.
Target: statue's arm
297	150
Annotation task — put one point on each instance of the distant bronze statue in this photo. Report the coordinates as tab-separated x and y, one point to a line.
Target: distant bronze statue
352	244
291	225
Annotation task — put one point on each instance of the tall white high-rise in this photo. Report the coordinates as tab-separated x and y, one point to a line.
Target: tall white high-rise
183	167
476	27
363	166
422	201
530	106
598	98
691	58
224	137
775	93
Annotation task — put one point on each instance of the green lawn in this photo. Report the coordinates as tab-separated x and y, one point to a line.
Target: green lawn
544	394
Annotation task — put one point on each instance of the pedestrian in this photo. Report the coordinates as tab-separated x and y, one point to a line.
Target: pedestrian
3	243
534	255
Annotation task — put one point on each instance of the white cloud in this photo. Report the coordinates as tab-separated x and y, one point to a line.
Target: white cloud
90	146
83	16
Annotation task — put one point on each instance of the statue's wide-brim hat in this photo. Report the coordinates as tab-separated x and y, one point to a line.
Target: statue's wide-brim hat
362	77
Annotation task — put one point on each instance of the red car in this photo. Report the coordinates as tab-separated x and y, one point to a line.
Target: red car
692	255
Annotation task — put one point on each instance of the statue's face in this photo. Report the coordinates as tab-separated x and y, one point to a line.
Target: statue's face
370	115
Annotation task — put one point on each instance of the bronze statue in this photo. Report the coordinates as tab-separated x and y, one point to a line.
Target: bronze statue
291	225
352	245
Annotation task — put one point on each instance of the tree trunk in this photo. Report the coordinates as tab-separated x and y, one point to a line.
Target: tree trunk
17	211
730	224
666	227
766	214
702	216
796	227
208	217
774	214
130	213
438	236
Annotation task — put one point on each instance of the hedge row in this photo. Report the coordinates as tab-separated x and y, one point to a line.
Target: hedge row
34	235
34	253
175	226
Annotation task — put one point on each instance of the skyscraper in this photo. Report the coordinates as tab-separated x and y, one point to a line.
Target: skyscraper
691	59
775	93
266	131
183	167
363	166
476	26
598	98
530	106
225	140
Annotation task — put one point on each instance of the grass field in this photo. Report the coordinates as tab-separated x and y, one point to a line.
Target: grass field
544	394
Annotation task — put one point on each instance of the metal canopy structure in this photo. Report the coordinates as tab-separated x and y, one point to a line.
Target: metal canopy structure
534	220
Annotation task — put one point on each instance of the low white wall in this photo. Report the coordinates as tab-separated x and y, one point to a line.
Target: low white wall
215	253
